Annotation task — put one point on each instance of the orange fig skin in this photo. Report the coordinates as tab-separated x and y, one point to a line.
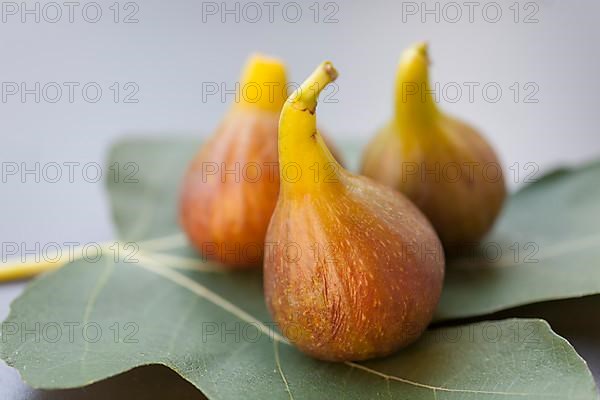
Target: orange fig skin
462	206
352	273
226	214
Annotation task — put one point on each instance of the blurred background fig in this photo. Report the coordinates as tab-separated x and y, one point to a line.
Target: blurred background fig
352	270
441	163
231	186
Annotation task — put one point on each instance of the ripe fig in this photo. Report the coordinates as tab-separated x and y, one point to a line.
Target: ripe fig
352	270
441	163
231	186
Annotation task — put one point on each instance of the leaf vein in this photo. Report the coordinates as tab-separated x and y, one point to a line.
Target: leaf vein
202	291
278	363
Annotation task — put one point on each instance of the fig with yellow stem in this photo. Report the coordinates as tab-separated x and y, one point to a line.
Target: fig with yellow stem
441	163
231	186
352	268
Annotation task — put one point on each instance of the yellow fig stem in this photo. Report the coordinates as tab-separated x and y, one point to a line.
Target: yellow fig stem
304	160
415	104
263	84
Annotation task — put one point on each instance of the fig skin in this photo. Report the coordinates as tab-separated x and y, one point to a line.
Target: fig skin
462	209
439	162
353	270
231	186
224	215
352	276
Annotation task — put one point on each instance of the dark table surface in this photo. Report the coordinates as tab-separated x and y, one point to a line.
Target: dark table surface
575	319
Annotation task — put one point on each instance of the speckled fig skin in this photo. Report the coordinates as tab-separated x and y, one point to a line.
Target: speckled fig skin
231	186
352	270
440	163
367	278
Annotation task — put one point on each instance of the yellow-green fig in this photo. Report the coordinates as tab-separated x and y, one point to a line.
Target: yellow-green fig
441	163
352	270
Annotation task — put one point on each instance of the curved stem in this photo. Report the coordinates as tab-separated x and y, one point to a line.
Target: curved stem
304	160
305	97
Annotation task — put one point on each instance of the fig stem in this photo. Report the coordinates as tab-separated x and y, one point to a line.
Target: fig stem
415	102
304	159
305	97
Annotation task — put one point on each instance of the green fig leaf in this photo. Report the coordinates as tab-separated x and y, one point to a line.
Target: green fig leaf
92	320
153	300
545	246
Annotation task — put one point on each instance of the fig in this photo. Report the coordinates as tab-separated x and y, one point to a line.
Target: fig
352	269
231	186
439	162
